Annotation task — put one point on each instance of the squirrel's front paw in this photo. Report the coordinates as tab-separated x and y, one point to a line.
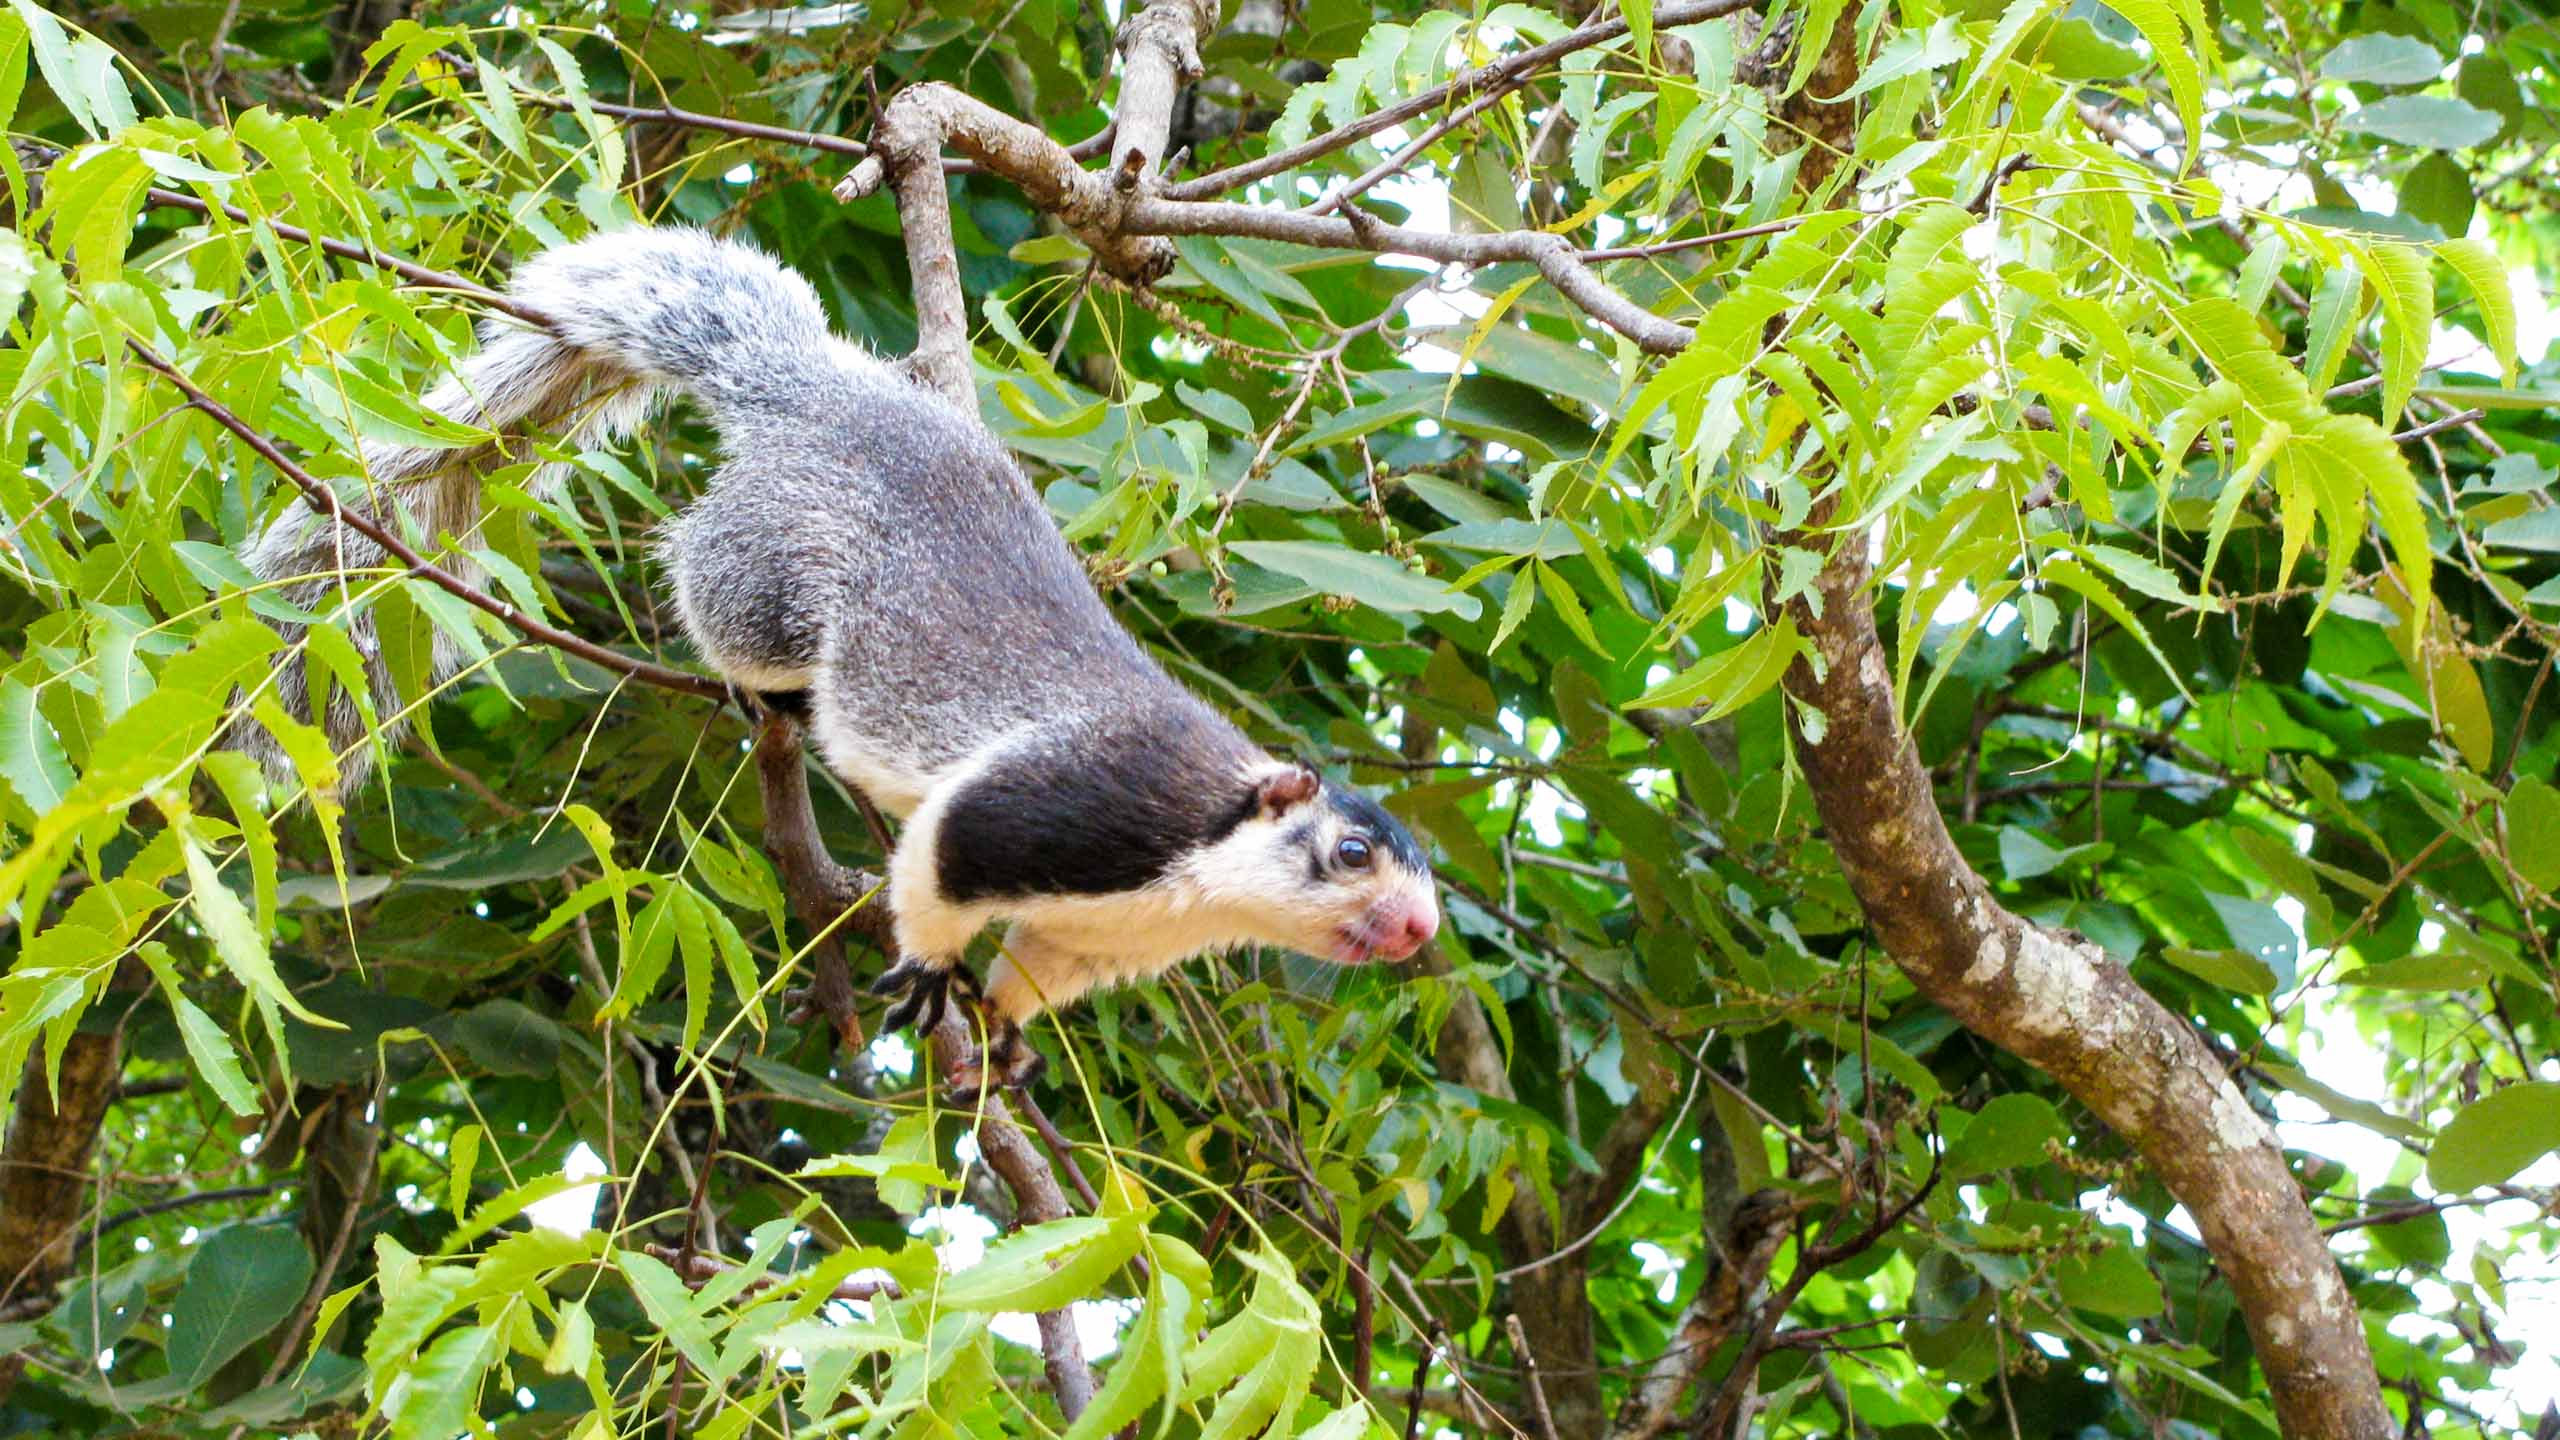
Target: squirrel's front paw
923	994
1009	1063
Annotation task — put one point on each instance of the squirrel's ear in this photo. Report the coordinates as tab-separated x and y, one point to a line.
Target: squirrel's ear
1282	790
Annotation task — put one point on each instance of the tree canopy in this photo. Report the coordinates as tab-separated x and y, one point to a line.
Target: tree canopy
1962	592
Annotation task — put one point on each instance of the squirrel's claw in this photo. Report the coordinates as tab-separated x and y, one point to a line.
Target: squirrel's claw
923	994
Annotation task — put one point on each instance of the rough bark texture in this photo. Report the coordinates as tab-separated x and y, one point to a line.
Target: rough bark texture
44	1174
1159	54
2060	1004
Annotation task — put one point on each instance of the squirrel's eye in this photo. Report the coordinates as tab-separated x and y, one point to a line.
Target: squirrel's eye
1353	852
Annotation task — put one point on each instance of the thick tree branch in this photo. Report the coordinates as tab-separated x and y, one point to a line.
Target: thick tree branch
2062	1005
44	1171
1159	54
1744	1250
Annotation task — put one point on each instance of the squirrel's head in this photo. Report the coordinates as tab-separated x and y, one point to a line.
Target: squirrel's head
1322	869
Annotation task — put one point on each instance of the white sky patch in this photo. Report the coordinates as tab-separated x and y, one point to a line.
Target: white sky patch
1658	1265
572	1211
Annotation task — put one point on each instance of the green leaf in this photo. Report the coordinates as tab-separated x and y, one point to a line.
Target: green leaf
2532	813
2009	1132
1730	679
671	1308
242	1282
1909	52
2408	291
2335	309
2231	969
2176	58
2496	1136
2493	290
503	117
441	1398
2024	855
30	757
1996	48
2112	1282
2433	122
1149	1365
208	1048
1044	1266
2383	60
462	1157
2438	191
573	1344
236	937
2146	576
2070	574
1372	579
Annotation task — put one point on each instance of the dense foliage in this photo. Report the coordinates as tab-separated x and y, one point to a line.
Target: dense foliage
2166	356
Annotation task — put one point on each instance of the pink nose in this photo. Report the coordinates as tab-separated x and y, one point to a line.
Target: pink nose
1420	924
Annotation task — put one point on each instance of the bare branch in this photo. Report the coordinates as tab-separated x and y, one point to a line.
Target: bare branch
1159	54
907	148
1460	87
1555	257
1738	1268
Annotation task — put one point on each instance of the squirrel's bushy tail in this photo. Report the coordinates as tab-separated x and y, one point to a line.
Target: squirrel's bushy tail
633	314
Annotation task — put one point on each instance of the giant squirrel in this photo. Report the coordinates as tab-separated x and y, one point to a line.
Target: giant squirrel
871	558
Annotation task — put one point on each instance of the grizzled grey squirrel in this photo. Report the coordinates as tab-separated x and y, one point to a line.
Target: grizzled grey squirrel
870	555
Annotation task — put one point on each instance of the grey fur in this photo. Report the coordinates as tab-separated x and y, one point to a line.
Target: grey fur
872	545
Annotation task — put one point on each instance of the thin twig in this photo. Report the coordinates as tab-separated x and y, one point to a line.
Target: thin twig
406	270
699	1270
326	500
1500	72
1529	1370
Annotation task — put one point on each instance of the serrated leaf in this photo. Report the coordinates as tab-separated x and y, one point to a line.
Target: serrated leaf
2170	50
208	1048
2149	577
2068	572
1732	678
2408	291
236	937
30	757
1044	1266
2493	290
